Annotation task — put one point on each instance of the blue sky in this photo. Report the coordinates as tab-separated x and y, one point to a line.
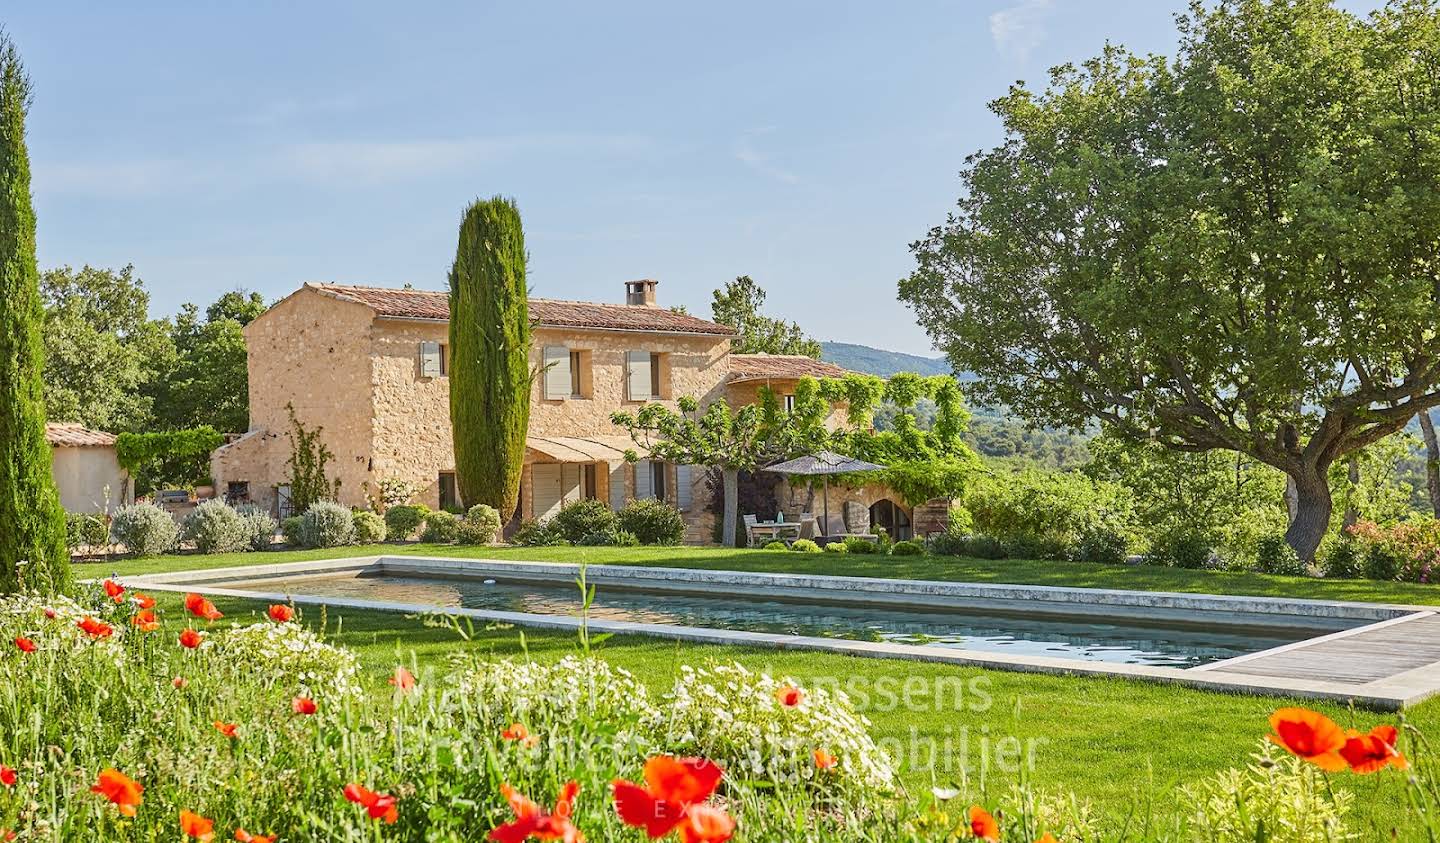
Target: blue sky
261	145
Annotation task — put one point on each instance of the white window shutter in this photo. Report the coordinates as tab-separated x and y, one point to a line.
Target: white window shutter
644	485
557	372
617	485
684	474
429	359
548	492
637	375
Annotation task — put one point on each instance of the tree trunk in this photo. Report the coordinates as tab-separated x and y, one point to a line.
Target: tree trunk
1313	506
732	505
1353	475
1432	461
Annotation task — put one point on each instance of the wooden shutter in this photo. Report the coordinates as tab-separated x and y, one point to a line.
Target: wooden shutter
572	486
548	489
644	487
557	372
684	475
637	375
430	360
617	485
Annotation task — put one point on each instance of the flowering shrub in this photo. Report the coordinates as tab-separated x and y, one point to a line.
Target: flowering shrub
770	728
54	623
145	529
290	656
1407	551
216	528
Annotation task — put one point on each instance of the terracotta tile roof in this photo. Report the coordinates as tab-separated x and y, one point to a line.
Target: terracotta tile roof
70	435
759	367
551	313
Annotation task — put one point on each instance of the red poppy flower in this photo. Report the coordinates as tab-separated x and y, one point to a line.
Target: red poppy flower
823	759
226	729
144	601
196	826
280	613
179	682
95	628
202	608
303	705
518	732
789	696
246	837
145	621
672	787
8	777
1309	735
1047	837
403	681
120	789
7	835
706	824
190	639
982	825
51	614
532	821
1372	752
380	806
25	645
114	590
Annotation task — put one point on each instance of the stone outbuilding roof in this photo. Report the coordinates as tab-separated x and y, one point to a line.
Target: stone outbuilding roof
764	367
71	435
433	305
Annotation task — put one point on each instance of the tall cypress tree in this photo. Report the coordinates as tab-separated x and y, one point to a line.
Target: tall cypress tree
490	354
32	524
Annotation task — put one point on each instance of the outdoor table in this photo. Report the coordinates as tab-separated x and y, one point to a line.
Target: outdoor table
775	529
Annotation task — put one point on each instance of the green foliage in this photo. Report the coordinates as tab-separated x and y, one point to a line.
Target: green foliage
1277	797
855	544
952	542
1103	544
207	381
327	524
1121	255
169	458
490	373
738	304
775	545
370	528
309	455
1044	515
479	526
585	517
402	520
292	529
259	527
837	547
804	546
216	528
611	537
652	521
440	528
1340	558
1180	548
534	533
1274	556
910	547
145	529
85	529
1408	551
32	523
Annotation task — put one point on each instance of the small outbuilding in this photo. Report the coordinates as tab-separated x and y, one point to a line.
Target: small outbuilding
87	468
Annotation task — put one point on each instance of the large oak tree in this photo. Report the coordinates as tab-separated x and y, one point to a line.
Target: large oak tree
1238	249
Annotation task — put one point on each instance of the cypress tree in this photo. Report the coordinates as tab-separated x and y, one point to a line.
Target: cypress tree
32	523
490	355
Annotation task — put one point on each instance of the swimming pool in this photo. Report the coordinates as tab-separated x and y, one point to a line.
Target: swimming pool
995	629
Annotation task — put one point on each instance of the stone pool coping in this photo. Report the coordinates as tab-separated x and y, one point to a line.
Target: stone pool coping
1391	693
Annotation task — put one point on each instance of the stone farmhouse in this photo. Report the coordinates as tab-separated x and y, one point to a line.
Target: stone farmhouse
369	366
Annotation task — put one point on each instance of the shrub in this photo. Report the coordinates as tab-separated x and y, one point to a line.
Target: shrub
549	698
952	542
983	547
1044	514
1181	548
291	656
837	547
910	547
85	529
479	525
775	545
1341	559
653	521
440	528
259	527
958	520
369	527
582	518
1273	555
613	537
291	529
327	524
1381	563
855	544
805	546
402	521
1406	551
1102	544
534	533
1283	798
216	528
145	529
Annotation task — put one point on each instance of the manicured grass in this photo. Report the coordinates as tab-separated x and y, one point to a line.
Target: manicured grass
945	568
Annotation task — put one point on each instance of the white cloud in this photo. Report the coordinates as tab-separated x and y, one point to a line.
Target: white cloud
748	154
1019	29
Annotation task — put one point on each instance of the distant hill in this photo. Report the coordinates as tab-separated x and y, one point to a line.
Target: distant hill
878	361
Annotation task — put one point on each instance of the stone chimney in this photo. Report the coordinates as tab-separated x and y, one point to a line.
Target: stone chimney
641	293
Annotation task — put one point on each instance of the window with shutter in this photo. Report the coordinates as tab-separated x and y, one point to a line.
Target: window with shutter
617	484
637	375
547	482
431	360
557	372
684	478
644	479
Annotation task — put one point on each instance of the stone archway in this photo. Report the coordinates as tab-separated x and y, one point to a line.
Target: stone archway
893	517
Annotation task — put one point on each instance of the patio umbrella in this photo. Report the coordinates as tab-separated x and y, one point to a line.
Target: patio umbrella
823	464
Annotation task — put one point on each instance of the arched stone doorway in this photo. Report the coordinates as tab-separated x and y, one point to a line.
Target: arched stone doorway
891	516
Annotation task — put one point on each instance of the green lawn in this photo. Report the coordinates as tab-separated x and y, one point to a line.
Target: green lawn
1100	738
